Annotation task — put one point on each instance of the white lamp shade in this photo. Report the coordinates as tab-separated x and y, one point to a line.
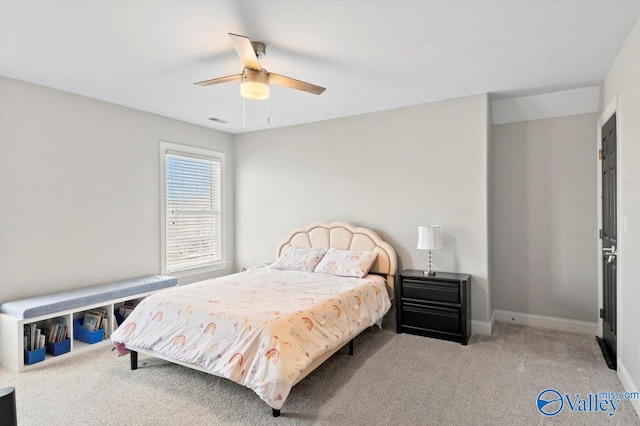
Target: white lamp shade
254	90
429	237
255	84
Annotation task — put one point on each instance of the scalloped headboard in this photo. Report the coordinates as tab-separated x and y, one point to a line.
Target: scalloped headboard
345	236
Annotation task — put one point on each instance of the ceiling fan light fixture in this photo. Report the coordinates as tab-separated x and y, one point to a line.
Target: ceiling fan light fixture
255	80
253	90
255	84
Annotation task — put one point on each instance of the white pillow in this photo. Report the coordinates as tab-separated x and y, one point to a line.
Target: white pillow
299	259
346	263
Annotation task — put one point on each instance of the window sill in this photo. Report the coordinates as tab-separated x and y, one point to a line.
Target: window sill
181	273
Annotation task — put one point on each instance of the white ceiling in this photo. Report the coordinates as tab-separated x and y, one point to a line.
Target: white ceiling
370	56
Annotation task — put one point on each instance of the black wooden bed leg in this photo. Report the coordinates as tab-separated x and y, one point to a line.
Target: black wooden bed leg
134	360
276	413
351	347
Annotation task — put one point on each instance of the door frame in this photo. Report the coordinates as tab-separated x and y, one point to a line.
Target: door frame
612	108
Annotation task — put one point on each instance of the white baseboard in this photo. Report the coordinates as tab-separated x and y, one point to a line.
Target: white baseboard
483	327
552	323
628	385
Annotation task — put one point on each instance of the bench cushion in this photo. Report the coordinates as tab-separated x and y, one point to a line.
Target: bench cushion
67	300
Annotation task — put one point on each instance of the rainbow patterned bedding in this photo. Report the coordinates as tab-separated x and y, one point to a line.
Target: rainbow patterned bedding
259	328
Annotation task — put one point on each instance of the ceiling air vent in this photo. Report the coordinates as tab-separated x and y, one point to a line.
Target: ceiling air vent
218	120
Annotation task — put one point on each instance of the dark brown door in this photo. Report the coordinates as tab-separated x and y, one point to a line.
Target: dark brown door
609	249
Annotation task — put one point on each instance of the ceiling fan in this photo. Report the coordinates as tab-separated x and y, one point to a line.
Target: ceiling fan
255	79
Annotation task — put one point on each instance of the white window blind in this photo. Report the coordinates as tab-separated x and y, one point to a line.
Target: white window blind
193	228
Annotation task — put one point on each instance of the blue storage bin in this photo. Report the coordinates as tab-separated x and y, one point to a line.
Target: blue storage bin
84	335
59	348
31	357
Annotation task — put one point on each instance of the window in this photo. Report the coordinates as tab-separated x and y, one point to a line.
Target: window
192	208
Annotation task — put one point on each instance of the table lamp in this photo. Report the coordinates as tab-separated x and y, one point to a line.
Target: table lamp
429	239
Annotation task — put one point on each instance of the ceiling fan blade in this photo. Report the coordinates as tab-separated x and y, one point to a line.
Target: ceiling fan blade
219	80
295	84
245	51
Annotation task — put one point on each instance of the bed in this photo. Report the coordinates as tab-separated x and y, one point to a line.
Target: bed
267	328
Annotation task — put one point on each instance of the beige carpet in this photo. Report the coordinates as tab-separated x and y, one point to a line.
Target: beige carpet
391	379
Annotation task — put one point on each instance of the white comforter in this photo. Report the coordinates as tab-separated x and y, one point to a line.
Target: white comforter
259	328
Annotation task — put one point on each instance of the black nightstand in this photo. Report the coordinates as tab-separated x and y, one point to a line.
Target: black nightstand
434	306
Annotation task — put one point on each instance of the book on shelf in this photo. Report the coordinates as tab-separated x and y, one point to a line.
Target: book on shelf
102	316
128	307
105	326
54	330
61	329
91	321
47	331
34	338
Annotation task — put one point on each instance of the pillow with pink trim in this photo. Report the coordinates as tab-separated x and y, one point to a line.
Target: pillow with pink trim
346	263
299	259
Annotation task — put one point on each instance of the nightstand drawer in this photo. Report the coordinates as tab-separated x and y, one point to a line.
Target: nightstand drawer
430	317
436	291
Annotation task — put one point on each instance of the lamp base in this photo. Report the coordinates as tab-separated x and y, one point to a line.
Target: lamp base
429	272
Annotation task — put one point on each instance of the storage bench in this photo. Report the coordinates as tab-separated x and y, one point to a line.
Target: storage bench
69	305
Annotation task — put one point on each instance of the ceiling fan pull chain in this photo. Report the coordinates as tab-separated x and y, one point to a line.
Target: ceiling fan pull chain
268	116
244	123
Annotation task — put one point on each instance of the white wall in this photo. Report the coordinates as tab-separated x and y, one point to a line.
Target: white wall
489	160
80	189
623	81
543	204
546	105
390	171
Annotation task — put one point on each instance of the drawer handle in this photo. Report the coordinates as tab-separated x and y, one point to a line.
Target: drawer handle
432	310
431	287
430	283
439	314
